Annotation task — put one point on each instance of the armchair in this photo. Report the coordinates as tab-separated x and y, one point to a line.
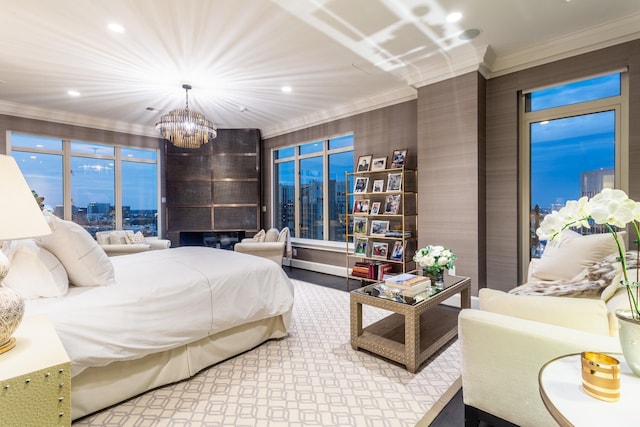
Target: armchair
272	245
123	242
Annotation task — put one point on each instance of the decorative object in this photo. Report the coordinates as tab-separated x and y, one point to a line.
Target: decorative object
398	250
364	163
20	218
380	250
398	158
613	209
375	208
379	163
361	185
394	182
600	376
379	228
361	246
359	225
361	206
186	128
392	204
378	186
434	260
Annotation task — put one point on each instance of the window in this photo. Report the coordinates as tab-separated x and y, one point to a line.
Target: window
98	186
313	175
572	137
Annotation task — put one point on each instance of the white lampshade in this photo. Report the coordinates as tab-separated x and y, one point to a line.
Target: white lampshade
20	215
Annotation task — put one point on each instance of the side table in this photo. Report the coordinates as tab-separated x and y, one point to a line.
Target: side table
560	385
35	378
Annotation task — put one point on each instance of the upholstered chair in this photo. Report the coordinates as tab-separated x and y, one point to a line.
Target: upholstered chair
123	242
272	244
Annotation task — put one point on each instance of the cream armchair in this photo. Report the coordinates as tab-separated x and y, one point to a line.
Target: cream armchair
123	242
272	245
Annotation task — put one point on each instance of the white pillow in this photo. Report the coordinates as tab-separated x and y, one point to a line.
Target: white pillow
119	237
284	235
138	237
259	236
85	261
35	272
568	254
272	235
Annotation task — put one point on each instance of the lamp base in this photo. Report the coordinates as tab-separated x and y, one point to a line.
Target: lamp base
8	345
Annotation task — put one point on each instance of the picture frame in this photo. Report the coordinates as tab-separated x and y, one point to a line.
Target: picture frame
380	250
360	246
398	158
364	163
379	163
379	227
375	208
361	184
378	186
394	182
359	225
397	252
392	204
361	206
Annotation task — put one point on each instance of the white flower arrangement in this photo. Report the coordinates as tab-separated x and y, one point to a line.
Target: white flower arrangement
435	259
611	208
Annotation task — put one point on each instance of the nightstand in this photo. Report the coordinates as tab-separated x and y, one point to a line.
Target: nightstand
35	377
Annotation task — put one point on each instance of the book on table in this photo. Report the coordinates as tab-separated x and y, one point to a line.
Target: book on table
405	281
416	289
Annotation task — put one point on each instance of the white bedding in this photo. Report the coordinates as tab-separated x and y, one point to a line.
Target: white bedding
165	299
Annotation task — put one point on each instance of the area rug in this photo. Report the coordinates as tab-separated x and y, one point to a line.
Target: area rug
311	378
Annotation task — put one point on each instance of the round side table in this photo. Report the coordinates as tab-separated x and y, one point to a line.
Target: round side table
560	385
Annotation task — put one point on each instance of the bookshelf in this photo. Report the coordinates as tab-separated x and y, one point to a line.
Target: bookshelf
382	223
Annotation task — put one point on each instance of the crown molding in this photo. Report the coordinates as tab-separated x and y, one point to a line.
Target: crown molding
403	94
37	113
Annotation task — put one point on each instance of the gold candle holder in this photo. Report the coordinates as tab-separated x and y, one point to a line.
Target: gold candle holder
601	376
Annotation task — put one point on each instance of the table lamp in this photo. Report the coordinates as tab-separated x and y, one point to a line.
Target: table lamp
20	218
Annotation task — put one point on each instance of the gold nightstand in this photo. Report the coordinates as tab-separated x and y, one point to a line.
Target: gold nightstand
35	378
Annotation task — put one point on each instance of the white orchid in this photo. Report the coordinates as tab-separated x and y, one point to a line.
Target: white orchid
434	259
610	207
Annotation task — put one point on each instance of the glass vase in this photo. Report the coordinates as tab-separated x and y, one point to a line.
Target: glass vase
629	335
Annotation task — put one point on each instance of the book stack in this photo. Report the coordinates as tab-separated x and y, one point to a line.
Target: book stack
409	284
371	270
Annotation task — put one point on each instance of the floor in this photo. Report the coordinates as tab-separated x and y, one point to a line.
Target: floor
453	414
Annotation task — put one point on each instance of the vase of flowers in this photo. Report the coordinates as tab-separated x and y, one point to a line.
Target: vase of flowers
434	260
615	210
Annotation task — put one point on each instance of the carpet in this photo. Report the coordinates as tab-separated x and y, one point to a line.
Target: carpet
311	378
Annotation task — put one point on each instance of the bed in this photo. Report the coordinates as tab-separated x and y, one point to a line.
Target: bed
160	316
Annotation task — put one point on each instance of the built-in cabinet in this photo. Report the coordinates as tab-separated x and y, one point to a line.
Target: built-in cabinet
382	223
215	188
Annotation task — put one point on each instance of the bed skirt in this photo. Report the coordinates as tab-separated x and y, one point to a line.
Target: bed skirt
98	388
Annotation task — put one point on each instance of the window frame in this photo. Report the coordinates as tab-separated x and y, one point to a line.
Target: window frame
619	104
67	154
325	152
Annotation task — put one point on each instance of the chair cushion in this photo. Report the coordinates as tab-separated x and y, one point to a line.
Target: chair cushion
133	238
570	253
272	235
84	260
35	272
259	236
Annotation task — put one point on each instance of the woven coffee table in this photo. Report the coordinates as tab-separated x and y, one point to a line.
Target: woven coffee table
417	328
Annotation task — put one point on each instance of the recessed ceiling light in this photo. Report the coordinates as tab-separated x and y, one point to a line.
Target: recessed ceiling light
454	17
116	28
73	93
286	89
469	34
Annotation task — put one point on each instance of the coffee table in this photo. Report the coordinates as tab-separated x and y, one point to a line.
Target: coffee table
417	328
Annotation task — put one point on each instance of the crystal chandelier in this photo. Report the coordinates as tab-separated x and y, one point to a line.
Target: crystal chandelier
186	128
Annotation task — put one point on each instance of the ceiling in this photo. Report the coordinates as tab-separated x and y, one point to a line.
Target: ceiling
340	57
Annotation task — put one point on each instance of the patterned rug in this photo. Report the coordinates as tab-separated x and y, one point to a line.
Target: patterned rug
311	378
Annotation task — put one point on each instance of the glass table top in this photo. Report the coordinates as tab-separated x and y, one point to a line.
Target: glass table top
381	290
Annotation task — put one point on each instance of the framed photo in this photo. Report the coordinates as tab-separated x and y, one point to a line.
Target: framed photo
359	225
375	208
380	250
364	163
361	185
379	163
378	186
397	251
360	246
399	156
379	228
392	204
361	206
394	182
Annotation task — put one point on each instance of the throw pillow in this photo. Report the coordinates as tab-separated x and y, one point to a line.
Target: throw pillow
85	261
570	253
35	272
284	235
272	235
259	236
119	237
138	237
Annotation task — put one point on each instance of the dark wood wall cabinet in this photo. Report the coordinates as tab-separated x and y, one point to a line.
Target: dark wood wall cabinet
216	187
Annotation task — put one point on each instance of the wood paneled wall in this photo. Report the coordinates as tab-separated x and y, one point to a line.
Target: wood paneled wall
451	171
